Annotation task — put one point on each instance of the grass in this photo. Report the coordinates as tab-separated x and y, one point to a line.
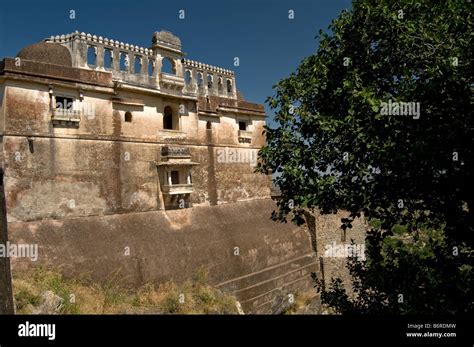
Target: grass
81	296
303	303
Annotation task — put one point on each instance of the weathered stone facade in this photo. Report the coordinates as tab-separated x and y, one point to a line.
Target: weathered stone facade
102	150
89	136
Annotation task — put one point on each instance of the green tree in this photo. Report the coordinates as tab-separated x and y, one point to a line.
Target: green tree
341	144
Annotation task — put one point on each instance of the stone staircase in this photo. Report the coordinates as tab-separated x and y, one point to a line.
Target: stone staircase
265	291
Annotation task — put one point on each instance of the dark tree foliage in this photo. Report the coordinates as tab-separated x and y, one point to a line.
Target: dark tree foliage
336	147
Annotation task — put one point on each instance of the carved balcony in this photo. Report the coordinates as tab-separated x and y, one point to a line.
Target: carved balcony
176	189
245	134
66	117
172	82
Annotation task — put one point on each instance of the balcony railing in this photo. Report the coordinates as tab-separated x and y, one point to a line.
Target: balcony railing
171	81
245	134
175	189
66	115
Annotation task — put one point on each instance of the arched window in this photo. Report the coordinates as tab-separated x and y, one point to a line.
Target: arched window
208	125
187	77
138	65
123	62
128	116
168	66
168	118
92	55
229	86
209	81
199	79
151	67
108	59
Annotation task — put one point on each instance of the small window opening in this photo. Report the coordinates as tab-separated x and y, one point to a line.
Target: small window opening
108	59
168	66
31	146
168	118
199	79
138	65
174	177
92	55
64	103
242	126
128	116
229	86
187	77
209	81
209	125
123	62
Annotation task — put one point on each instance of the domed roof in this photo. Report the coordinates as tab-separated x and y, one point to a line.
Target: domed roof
47	52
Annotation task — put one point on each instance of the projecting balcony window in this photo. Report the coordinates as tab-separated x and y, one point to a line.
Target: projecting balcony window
178	182
64	112
245	136
174	172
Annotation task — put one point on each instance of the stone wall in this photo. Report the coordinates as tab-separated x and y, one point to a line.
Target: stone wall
87	189
257	260
331	244
245	252
58	178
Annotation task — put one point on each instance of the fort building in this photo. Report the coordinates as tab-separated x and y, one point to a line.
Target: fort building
106	145
107	109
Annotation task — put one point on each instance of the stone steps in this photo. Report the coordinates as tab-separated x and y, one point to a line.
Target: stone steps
258	292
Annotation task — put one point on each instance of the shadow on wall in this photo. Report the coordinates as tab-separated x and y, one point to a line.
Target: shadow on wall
6	296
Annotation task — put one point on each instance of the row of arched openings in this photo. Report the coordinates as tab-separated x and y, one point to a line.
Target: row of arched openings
209	81
167	63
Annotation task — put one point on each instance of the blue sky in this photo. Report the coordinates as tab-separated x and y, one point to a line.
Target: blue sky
269	45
